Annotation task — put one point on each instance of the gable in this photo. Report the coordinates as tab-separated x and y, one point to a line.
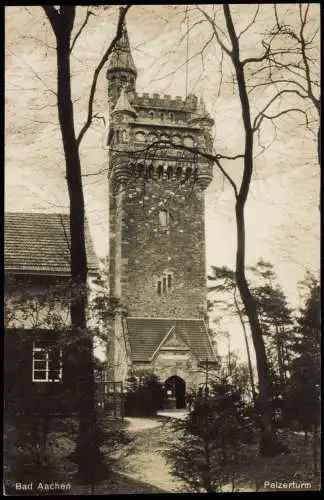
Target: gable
174	342
148	336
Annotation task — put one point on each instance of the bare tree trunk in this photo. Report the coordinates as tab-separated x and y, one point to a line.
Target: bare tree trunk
247	348
87	447
269	445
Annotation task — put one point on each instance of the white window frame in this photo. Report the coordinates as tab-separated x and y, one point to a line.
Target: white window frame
46	368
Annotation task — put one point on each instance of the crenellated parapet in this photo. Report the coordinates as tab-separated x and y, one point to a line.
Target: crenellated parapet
167	102
155	136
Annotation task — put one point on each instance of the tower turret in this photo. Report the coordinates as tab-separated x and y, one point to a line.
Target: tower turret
121	70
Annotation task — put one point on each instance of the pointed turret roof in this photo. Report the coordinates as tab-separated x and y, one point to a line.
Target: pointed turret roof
123	104
121	57
202	114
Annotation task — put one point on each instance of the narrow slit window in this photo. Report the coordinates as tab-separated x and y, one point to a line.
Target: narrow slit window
164	284
124	136
169	281
164	218
159	287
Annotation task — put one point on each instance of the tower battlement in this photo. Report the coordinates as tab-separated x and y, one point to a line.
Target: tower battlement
167	101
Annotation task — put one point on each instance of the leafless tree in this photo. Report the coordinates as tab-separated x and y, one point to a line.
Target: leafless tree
295	67
253	119
62	19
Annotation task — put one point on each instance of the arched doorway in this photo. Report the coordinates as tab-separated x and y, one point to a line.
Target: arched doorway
175	389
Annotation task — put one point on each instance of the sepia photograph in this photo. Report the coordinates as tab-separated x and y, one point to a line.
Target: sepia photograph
162	249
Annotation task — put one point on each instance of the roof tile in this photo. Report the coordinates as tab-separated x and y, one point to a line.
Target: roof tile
146	334
38	242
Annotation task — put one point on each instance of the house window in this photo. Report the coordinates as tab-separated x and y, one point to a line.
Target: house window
47	362
164	218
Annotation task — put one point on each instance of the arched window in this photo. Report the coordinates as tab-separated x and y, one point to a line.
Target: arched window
152	138
140	170
160	171
164	283
140	136
172	117
124	136
169	173
178	173
164	218
161	117
151	115
188	141
188	174
116	135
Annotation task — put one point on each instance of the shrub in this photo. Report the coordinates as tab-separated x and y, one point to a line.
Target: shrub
144	396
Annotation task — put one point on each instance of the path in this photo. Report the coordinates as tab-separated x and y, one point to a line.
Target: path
144	459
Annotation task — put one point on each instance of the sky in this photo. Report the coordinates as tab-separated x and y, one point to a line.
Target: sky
282	215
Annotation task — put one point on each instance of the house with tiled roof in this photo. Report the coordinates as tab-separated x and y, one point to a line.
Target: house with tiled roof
37	287
156	230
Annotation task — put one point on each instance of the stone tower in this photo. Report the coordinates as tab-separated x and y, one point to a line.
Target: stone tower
156	213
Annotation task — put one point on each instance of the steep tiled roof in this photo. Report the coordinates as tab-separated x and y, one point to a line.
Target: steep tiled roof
38	242
146	334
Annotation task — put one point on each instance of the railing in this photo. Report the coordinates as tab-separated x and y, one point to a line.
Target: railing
110	398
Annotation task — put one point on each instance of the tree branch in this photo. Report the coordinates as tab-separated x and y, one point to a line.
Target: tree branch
272	100
213	25
89	13
251	23
283	112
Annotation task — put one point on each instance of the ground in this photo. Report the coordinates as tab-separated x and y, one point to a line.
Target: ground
141	466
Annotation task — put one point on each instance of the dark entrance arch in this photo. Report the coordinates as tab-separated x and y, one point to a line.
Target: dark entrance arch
175	388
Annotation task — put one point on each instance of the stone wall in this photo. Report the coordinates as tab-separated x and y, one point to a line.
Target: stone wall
149	251
165	366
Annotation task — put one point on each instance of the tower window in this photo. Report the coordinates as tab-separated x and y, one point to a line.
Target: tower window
164	218
152	138
164	284
188	141
124	136
140	137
